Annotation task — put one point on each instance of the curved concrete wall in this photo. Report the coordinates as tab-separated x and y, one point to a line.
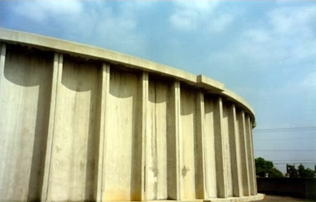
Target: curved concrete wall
80	123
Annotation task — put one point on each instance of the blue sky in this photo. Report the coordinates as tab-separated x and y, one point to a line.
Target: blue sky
265	51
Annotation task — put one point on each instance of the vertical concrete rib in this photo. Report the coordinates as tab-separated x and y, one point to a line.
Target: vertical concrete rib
253	162
220	150
209	149
244	154
234	152
56	81
174	155
251	158
104	89
2	61
2	64
200	184
144	85
179	138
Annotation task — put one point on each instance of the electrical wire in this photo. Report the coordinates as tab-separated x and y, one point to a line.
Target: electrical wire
285	138
288	129
279	150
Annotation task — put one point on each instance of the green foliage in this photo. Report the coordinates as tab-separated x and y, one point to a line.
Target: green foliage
263	166
309	173
292	171
275	173
305	172
301	170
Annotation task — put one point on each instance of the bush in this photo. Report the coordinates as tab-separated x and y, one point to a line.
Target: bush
263	166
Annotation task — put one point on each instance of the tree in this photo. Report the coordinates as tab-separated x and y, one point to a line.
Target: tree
305	172
263	166
275	173
309	173
301	170
292	171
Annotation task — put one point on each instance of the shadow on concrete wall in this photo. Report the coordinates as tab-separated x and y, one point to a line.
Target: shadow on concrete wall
81	76
124	84
29	68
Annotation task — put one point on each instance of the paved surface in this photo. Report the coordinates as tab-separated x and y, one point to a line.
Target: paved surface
269	198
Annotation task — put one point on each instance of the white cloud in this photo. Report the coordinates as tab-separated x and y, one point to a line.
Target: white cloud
277	56
115	29
302	86
138	5
118	33
288	37
39	10
291	20
189	14
308	83
199	6
90	22
184	20
219	23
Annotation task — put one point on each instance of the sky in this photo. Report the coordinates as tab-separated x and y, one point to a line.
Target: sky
265	51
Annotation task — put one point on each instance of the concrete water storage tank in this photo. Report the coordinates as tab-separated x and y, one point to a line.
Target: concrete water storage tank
80	123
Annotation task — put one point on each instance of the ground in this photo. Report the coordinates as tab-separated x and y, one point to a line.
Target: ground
270	198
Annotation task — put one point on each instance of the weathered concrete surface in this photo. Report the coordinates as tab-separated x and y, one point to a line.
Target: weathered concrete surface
25	98
80	123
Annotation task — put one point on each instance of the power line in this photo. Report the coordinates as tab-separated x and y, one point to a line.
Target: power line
297	160
295	163
291	161
286	138
288	129
277	150
288	135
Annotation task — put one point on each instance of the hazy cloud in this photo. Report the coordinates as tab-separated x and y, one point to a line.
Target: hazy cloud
90	22
189	14
293	20
39	10
288	36
220	22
